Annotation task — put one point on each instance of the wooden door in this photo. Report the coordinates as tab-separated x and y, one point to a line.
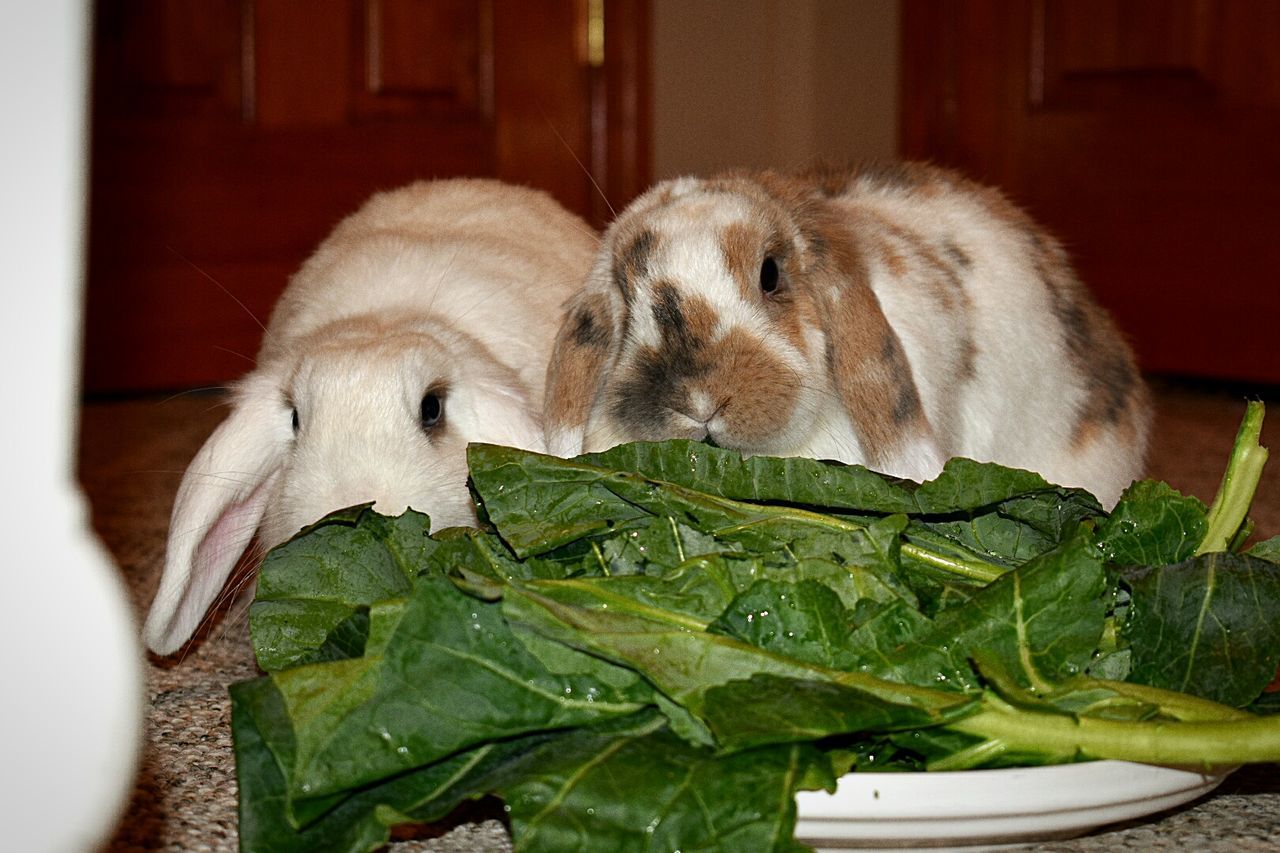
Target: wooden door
230	135
1145	133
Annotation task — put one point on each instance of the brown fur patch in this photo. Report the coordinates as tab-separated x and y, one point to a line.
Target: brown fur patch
906	252
829	259
799	231
740	248
957	257
894	261
869	371
577	359
589	322
755	390
688	319
667	310
631	261
644	394
796	318
890	175
829	179
700	318
967	366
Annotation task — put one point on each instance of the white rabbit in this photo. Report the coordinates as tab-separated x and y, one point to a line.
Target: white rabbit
893	316
422	323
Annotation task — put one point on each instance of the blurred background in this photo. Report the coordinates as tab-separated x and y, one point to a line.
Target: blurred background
228	136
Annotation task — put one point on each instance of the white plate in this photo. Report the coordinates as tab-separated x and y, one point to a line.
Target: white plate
987	808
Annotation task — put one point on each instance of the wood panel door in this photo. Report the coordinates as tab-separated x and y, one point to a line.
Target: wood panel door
1144	133
229	136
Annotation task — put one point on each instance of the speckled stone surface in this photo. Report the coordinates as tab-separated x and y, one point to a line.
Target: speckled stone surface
133	454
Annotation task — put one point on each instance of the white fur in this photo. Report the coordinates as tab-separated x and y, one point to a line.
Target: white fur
454	285
1019	349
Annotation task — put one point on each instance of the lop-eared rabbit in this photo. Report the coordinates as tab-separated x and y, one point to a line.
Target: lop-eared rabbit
422	323
893	316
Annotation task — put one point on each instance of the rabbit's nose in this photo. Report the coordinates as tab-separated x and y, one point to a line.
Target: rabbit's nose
701	407
698	417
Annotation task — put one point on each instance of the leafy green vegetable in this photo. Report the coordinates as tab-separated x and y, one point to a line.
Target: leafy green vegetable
1153	525
1228	513
1230	602
655	647
580	793
315	590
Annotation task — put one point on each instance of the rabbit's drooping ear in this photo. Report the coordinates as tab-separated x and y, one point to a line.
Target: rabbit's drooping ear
218	508
870	373
576	370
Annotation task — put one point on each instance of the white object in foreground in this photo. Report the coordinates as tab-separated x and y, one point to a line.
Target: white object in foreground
991	807
71	719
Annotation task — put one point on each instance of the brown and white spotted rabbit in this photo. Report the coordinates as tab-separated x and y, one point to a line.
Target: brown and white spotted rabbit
892	316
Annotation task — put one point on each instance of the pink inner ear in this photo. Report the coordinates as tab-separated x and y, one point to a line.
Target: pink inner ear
220	550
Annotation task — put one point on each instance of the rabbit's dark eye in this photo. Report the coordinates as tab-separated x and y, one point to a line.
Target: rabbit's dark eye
769	276
296	423
432	408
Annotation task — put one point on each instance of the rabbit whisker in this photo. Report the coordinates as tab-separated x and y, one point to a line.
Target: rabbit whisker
189	391
590	177
218	284
240	355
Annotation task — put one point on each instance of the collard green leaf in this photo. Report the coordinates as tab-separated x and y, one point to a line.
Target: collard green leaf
297	631
1042	621
684	661
1056	514
943	749
359	820
965	485
998	535
871	754
989	536
639	788
348	639
863	565
316	582
1209	626
1267	549
881	639
541	503
725	473
1008	531
538	502
804	620
1152	525
768	709
264	813
858	566
453	675
654	545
